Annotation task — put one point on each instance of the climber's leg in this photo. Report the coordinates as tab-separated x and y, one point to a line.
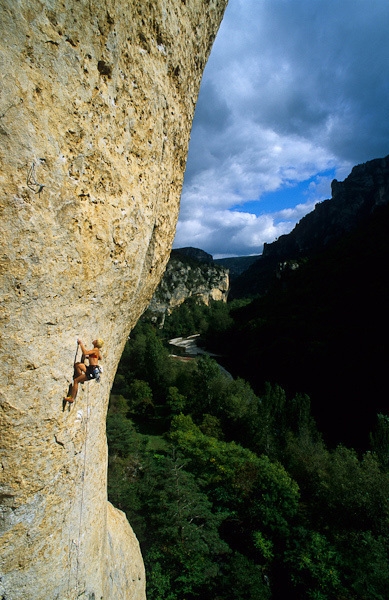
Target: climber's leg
79	368
80	379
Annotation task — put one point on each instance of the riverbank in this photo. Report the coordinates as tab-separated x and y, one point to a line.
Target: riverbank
188	349
188	346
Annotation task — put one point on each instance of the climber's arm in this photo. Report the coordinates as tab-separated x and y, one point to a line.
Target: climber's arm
85	351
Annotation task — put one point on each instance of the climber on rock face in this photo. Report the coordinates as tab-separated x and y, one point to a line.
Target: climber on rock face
83	372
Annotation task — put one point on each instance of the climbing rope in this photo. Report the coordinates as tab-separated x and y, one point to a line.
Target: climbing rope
82	487
75	356
73	542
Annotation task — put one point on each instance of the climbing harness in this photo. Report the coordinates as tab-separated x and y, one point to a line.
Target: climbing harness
95	372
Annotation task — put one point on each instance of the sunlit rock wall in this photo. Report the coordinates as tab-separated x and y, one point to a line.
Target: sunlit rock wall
96	104
184	279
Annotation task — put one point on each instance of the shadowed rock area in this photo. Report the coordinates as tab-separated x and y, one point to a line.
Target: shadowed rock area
96	105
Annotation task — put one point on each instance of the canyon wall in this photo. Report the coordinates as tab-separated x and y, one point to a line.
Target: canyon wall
187	276
96	104
353	200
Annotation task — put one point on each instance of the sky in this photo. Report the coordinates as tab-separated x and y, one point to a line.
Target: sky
294	94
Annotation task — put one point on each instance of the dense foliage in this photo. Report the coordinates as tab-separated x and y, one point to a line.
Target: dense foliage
234	495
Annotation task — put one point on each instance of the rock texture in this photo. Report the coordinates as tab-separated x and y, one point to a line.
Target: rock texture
189	274
96	103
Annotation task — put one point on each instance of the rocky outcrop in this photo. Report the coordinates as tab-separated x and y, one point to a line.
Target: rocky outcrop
188	274
195	254
96	105
353	200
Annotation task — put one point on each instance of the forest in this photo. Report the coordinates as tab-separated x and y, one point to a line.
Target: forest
234	494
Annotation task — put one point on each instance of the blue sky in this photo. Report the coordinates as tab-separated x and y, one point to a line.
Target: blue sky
288	196
295	93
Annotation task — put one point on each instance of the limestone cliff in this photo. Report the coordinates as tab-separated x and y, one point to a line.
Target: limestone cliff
96	103
186	277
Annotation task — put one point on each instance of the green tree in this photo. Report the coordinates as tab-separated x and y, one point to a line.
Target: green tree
237	408
175	401
121	435
314	566
211	427
242	579
353	494
249	504
118	405
140	398
237	480
379	440
365	564
182	528
125	467
157	367
219	318
205	383
192	316
271	423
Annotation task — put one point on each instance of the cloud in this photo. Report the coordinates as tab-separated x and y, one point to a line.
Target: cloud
225	232
230	233
292	90
247	160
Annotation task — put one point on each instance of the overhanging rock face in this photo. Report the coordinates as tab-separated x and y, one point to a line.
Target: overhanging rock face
96	105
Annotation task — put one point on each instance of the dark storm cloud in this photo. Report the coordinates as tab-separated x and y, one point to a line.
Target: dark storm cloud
292	89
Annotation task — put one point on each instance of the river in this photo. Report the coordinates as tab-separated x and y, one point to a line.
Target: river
186	349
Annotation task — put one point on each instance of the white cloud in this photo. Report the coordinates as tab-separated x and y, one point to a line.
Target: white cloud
231	233
292	90
225	232
247	161
292	215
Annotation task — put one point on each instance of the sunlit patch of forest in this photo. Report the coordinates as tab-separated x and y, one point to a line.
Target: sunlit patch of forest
234	494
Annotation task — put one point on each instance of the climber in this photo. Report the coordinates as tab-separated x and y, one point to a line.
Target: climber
83	372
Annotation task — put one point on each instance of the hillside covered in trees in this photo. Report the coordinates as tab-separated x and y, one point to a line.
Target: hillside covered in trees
234	495
271	480
322	329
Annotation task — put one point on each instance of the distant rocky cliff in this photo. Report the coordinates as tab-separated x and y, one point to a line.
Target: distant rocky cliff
190	272
353	201
96	105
